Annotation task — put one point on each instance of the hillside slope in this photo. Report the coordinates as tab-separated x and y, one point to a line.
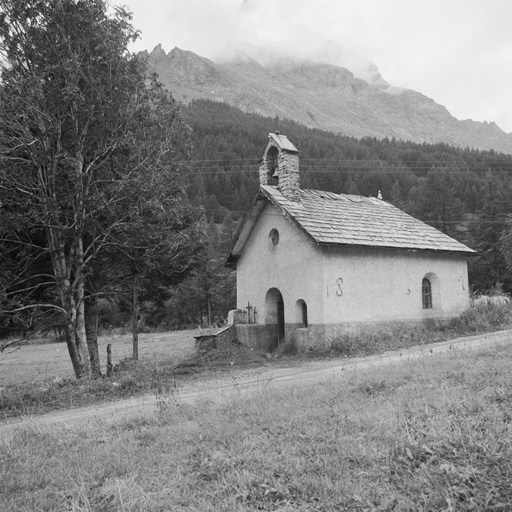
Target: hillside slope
321	96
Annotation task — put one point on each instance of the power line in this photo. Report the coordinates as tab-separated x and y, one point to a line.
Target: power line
379	160
373	163
377	164
243	212
256	161
401	160
337	170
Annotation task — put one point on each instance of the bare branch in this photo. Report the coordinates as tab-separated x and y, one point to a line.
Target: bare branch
35	306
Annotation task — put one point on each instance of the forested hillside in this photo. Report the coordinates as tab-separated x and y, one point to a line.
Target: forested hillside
463	192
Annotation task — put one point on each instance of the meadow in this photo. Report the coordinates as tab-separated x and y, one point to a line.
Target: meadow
43	361
426	435
38	378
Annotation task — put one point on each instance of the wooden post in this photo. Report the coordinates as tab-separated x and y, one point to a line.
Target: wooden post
209	304
135	315
109	360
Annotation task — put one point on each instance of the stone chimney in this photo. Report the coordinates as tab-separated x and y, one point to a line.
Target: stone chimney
279	166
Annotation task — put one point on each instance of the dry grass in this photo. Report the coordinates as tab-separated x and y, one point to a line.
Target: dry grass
434	434
44	361
28	373
161	353
368	339
165	358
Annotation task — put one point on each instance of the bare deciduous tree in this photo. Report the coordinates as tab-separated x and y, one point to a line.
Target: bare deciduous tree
82	131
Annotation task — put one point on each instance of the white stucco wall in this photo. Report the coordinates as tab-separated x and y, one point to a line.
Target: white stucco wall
294	267
345	285
385	284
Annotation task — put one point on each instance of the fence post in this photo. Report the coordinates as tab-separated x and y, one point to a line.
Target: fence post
109	360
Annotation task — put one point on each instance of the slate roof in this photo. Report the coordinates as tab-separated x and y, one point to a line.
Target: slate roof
348	220
344	219
283	142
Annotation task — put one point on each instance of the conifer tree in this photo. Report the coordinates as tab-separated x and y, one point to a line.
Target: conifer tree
438	204
506	245
489	268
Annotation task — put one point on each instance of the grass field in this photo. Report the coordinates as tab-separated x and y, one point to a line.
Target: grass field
27	375
34	363
429	435
45	361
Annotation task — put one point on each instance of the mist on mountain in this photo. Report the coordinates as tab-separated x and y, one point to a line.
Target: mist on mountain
330	87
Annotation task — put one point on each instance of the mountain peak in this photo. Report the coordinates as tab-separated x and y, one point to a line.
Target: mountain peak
158	51
352	99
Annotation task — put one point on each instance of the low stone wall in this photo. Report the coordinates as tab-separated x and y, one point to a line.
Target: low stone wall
210	341
312	337
262	338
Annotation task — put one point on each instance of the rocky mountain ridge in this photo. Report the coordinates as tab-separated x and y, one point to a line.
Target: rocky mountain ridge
321	96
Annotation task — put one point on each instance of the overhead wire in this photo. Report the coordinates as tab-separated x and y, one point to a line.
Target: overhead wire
359	160
312	172
311	167
382	167
277	214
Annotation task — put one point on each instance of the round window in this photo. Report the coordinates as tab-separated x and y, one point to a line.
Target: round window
273	238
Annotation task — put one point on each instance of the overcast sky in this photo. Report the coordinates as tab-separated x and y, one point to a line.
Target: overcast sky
458	52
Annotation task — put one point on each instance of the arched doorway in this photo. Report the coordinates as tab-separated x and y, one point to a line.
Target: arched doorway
274	315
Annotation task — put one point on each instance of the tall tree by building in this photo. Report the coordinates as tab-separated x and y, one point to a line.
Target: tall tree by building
80	129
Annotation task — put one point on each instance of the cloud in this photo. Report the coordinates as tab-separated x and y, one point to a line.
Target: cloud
457	52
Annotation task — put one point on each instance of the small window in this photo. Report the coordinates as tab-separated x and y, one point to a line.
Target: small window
304	315
273	238
426	293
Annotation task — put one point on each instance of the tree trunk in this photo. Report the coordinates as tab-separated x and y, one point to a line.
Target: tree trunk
78	367
77	346
91	332
80	334
77	263
135	315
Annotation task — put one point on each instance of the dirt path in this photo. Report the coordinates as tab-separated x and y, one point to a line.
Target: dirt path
238	382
